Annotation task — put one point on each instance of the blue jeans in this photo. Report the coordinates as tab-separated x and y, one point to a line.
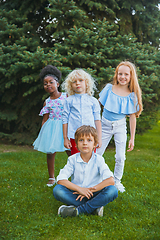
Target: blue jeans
99	199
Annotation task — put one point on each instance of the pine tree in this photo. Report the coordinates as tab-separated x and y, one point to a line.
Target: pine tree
71	34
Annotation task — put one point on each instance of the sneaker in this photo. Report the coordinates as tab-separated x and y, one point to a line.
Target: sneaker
70	211
99	211
120	186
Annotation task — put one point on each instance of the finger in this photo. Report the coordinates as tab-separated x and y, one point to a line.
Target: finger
75	192
78	197
130	149
81	198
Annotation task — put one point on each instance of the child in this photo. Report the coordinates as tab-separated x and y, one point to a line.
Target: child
50	139
80	108
119	100
92	183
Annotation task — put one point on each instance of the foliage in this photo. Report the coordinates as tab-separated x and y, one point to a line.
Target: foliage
94	35
29	210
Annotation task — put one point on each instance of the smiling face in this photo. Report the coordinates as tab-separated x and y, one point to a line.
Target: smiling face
123	75
79	85
50	84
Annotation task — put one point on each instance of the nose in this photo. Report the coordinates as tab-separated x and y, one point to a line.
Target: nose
77	82
85	141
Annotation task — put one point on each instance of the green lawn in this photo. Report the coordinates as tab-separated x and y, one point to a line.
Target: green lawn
29	210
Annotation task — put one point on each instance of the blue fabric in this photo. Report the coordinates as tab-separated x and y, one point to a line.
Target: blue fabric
116	104
50	138
111	116
80	109
99	199
85	174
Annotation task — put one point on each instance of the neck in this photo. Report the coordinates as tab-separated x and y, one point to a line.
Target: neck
55	95
86	156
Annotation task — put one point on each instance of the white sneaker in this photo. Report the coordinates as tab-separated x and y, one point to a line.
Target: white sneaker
99	211
119	186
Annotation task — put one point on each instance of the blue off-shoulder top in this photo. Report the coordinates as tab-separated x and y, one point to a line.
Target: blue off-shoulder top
117	107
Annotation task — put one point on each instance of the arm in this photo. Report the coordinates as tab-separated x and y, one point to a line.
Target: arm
88	192
132	123
65	118
85	192
67	143
101	106
99	132
45	118
103	184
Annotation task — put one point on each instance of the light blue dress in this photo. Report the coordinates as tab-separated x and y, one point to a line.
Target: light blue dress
50	138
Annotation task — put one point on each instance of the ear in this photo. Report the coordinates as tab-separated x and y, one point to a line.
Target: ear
57	84
95	145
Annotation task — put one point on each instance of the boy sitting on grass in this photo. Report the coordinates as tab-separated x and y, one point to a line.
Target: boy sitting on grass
92	183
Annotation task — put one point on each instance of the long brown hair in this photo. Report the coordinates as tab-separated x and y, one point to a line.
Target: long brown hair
133	84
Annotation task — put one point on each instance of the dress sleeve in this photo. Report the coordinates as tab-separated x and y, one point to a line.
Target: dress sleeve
44	110
104	93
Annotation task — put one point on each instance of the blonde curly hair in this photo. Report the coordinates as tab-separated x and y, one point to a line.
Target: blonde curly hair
80	73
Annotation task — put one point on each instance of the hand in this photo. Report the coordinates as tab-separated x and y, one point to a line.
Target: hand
99	144
130	145
67	143
84	192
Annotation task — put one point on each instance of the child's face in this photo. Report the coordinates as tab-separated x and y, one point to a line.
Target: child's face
123	76
79	85
86	144
50	85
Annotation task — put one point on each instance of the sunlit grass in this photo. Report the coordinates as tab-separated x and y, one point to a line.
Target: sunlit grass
29	210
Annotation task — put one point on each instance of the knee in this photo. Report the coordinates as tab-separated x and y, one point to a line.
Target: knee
120	157
58	191
111	192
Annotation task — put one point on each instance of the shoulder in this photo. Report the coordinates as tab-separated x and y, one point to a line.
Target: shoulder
91	98
107	87
69	99
99	158
64	95
46	102
73	157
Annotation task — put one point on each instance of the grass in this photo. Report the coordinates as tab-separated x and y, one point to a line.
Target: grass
29	210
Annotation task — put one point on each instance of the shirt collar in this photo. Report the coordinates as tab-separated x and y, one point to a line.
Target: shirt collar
79	95
79	159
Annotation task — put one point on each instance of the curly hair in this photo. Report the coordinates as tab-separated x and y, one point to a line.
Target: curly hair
133	84
50	70
90	82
